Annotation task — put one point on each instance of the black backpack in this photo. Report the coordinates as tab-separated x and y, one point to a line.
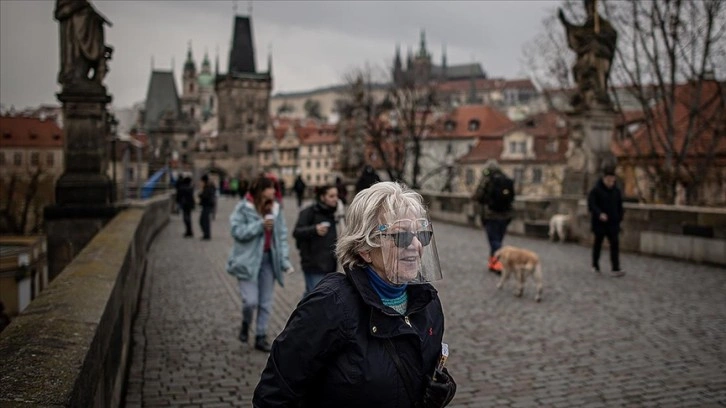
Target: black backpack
501	193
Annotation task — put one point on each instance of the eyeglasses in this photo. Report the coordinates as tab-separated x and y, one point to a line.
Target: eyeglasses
404	238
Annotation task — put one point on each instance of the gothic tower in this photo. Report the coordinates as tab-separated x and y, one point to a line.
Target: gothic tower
190	89
243	96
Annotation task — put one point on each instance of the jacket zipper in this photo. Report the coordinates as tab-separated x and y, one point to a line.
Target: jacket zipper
405	319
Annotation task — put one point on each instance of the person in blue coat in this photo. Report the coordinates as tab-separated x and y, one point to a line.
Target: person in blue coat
259	257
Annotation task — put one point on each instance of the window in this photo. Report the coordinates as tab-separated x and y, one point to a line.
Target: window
310	150
325	163
317	178
473	125
250	147
469	177
523	147
34	158
449	125
307	164
191	112
18	159
512	147
536	176
50	159
449	148
552	146
184	144
518	175
308	178
317	164
130	174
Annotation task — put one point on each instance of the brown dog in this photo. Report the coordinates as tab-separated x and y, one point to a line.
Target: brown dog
521	262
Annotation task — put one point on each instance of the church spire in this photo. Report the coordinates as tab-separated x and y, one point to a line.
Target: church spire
422	52
189	65
269	59
443	62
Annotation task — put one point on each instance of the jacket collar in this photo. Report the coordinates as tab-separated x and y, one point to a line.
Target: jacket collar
248	206
418	295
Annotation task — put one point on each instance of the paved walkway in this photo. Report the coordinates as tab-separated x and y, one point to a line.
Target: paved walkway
656	337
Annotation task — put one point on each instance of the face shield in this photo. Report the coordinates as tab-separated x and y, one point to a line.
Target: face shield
408	247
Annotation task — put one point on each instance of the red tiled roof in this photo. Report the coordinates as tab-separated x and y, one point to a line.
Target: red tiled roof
16	131
544	127
711	118
485	85
485	149
491	123
323	135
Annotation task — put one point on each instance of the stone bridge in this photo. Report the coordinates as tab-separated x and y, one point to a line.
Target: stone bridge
656	337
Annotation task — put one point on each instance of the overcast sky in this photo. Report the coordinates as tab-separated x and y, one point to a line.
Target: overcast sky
313	43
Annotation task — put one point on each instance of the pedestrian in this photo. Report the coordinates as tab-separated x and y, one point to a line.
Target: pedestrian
316	233
299	188
367	178
259	256
495	198
207	200
371	336
342	190
186	203
605	203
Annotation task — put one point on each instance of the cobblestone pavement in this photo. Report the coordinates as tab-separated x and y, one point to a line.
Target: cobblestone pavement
655	337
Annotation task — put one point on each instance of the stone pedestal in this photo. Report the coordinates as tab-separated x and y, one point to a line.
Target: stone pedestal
85	135
588	150
83	193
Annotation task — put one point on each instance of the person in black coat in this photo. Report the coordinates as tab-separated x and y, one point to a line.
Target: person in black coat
359	339
299	188
185	196
605	203
316	235
207	200
367	178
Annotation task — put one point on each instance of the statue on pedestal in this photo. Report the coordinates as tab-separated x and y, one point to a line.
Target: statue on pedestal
82	47
594	42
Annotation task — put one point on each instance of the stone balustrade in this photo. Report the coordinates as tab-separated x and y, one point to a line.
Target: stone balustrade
696	234
70	347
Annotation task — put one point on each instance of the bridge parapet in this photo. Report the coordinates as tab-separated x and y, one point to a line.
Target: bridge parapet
688	233
70	347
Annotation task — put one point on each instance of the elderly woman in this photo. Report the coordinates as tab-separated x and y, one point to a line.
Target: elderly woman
370	337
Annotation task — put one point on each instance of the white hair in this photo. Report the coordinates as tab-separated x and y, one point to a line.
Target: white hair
364	215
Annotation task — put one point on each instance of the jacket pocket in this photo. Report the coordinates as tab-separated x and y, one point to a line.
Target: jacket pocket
238	268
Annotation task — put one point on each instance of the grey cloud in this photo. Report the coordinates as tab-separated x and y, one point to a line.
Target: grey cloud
314	43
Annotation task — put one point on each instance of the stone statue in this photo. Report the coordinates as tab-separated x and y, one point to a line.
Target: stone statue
82	47
594	42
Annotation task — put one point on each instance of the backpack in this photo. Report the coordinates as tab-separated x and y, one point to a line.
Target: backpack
501	193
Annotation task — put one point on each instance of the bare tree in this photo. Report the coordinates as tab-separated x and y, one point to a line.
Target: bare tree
393	126
667	59
666	69
23	199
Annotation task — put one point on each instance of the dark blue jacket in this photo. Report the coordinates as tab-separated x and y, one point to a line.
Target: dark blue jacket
332	352
605	200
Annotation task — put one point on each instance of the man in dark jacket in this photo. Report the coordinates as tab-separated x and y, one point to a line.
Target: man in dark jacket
299	188
367	178
605	203
207	200
185	196
316	235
